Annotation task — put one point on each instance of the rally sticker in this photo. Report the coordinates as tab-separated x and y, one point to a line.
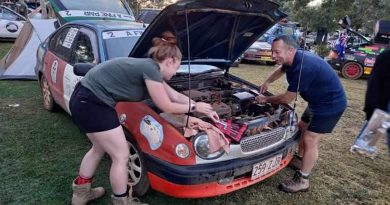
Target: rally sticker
369	61
53	71
95	14
153	131
70	36
122	34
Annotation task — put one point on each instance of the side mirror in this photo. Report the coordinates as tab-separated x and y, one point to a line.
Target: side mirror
80	69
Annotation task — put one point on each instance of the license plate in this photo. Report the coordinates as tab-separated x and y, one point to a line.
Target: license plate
266	166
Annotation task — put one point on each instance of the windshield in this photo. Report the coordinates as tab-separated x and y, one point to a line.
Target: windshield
120	43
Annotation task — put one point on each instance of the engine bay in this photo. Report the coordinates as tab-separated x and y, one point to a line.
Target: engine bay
235	101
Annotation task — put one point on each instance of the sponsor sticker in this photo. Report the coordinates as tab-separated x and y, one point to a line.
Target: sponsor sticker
70	37
153	131
369	62
95	14
122	34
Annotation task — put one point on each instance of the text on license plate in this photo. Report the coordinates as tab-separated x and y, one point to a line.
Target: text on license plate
262	168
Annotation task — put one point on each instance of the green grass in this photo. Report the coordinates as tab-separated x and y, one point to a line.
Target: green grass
40	153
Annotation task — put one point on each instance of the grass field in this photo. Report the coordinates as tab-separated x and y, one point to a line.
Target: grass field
40	153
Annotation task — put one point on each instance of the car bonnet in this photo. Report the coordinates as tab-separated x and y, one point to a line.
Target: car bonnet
219	30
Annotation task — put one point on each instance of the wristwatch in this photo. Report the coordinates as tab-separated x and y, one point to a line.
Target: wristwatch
193	107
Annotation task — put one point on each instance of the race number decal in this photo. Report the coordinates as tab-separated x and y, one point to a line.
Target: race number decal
122	34
153	131
53	71
70	37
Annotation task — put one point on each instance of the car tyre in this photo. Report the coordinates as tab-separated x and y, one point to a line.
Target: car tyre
47	97
352	70
138	178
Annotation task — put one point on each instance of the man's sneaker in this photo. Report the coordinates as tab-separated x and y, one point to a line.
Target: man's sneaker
296	162
296	184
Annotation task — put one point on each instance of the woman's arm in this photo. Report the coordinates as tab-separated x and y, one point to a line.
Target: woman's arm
176	96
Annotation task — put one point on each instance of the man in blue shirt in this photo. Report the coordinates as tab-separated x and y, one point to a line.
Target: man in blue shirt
318	84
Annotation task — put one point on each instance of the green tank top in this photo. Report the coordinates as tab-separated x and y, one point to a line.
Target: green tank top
122	79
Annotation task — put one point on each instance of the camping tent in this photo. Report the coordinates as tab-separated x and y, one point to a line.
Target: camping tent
20	61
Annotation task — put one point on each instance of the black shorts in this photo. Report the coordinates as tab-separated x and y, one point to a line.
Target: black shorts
91	114
320	123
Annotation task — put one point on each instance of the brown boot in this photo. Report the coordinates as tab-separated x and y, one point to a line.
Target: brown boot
83	193
297	184
126	200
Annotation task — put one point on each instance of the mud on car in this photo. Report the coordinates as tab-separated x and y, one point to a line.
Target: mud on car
161	158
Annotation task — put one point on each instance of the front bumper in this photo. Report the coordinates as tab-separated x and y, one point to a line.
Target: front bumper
207	180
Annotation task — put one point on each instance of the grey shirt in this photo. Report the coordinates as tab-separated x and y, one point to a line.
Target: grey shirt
122	79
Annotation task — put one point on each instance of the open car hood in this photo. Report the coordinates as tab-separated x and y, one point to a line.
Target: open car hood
219	30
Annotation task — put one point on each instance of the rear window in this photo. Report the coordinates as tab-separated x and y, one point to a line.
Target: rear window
115	6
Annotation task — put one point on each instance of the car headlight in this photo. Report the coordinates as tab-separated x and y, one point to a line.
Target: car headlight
201	147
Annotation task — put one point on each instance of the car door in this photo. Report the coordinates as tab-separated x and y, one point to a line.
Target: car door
57	58
85	50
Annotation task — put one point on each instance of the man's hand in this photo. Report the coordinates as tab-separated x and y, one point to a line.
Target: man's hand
263	87
261	99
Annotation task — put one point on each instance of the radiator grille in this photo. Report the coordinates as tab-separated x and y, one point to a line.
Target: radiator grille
262	140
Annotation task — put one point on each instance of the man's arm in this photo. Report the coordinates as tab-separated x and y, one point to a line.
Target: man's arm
274	76
284	98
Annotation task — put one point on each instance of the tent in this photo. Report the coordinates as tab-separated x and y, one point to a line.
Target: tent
20	61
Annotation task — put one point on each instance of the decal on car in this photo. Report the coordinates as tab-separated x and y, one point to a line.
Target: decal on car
122	34
53	71
12	27
95	14
70	37
153	131
349	57
369	61
69	83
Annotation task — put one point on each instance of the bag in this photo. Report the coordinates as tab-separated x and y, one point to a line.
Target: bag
366	141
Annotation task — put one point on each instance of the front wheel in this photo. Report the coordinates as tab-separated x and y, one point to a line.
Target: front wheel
352	70
138	178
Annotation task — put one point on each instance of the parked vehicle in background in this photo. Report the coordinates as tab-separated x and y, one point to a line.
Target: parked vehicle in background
147	15
361	52
11	23
161	157
260	51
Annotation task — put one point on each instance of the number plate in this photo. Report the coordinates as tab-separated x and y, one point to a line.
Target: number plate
266	166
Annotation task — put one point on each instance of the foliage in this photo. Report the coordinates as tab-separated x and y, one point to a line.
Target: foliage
363	13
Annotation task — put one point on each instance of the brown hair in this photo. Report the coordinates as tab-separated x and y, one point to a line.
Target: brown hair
164	47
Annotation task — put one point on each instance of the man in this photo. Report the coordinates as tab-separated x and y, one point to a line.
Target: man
318	84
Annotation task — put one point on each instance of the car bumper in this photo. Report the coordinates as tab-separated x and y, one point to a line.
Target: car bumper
207	180
336	64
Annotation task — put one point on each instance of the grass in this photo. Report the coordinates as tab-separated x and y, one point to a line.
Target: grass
40	153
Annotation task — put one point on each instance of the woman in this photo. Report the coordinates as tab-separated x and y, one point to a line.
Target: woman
92	107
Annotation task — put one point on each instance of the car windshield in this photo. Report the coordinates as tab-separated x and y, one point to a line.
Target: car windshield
119	43
115	6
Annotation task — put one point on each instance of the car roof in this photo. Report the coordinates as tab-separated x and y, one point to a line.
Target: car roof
103	25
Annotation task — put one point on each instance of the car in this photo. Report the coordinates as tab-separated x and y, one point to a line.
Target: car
360	52
11	23
161	157
147	15
260	51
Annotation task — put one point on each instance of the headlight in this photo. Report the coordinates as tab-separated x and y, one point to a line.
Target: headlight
201	147
292	126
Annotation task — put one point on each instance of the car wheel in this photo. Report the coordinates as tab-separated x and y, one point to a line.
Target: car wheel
138	178
47	97
352	70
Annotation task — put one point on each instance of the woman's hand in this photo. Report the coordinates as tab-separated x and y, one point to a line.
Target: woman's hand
213	116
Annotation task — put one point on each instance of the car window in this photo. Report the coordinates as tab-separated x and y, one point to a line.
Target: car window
120	43
62	41
85	48
7	15
96	5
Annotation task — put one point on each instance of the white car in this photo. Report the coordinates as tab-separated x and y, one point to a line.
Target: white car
11	23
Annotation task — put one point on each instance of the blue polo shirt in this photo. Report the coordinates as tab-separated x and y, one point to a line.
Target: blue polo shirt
319	85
